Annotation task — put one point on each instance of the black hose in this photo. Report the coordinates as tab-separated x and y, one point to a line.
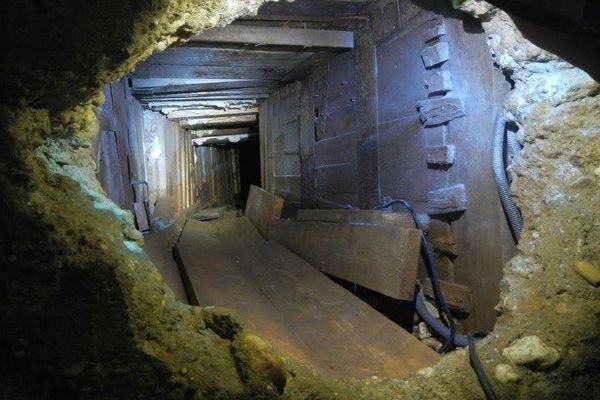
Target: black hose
432	272
515	220
487	388
436	324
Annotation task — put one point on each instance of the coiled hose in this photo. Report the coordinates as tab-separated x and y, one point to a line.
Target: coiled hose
515	220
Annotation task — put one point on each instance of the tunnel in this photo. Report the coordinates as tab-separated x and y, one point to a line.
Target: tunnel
309	199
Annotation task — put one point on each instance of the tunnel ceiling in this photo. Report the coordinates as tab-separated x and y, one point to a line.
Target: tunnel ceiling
214	83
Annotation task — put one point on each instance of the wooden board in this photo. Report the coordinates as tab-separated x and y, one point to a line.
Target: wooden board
284	300
263	207
209	213
357	217
457	296
383	258
304	39
141	217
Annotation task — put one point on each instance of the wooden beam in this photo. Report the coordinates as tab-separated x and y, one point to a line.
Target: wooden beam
447	200
211	140
144	83
174	86
305	39
357	217
262	208
457	296
294	307
203	104
172	71
194	56
383	258
219	132
219	121
187	114
223	98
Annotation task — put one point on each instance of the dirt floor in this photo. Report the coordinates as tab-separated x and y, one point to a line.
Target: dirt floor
86	315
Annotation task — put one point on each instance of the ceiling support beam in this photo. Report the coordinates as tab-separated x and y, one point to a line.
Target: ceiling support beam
263	36
206	123
197	114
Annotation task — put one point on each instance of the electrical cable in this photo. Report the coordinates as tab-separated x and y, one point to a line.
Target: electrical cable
513	214
487	388
432	272
449	333
435	324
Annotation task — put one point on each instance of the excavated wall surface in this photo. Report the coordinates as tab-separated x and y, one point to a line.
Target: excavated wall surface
86	315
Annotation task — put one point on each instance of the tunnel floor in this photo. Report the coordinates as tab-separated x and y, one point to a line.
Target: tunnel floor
292	305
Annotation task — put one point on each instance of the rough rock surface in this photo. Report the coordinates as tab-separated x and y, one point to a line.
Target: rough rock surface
531	352
85	314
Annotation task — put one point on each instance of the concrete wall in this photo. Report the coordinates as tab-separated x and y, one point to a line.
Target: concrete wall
362	138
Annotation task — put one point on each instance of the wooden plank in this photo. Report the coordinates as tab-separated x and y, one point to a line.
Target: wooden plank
435	54
211	104
457	296
218	121
193	56
294	307
219	132
311	9
440	110
438	82
357	217
187	114
224	139
262	207
173	71
383	258
338	178
447	200
436	28
208	214
441	237
307	39
141	218
191	87
441	155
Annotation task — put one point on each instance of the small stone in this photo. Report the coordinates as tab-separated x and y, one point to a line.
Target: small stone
597	171
426	372
433	343
422	332
532	353
432	310
588	271
505	373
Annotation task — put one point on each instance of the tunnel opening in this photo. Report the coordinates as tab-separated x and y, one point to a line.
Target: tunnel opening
266	164
318	106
